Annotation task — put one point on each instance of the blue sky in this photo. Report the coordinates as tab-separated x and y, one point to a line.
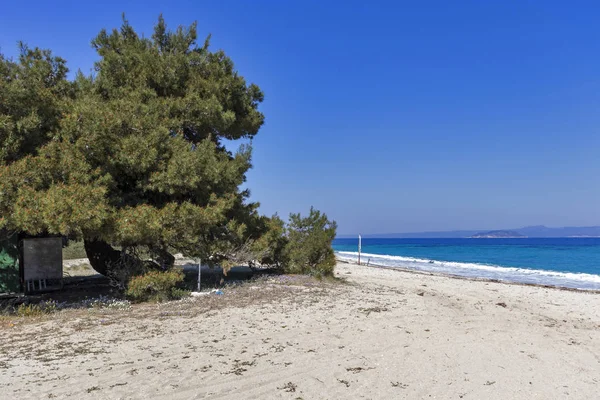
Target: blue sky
393	116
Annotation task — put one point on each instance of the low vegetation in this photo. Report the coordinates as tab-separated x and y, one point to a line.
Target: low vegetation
49	307
36	310
157	286
308	248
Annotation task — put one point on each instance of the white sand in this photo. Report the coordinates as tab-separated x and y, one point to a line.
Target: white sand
376	338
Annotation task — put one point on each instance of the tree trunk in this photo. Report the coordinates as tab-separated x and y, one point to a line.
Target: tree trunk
101	255
162	257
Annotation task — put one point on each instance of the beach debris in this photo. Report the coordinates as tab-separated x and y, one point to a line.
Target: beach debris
218	292
372	309
289	387
238	367
278	348
489	383
501	305
345	382
399	384
356	370
198	294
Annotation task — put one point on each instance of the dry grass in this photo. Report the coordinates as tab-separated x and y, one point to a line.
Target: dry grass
270	289
261	290
79	267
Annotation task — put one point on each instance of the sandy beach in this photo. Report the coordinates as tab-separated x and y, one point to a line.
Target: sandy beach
379	334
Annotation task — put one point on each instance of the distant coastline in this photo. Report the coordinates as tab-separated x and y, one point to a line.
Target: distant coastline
582	236
537	232
498	235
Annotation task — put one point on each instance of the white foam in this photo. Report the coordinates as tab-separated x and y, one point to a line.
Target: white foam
473	270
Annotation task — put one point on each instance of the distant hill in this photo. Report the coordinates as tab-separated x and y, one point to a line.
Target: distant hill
419	235
498	234
543	231
539	231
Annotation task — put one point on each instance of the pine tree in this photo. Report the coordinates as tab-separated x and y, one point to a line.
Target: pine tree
133	155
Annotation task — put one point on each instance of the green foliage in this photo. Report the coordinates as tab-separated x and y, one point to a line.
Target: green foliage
269	247
132	158
308	248
178	293
33	94
10	280
29	310
132	155
156	286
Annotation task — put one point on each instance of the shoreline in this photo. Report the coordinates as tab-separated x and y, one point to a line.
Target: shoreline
467	278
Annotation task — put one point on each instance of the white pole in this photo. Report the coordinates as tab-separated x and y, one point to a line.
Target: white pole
199	272
359	247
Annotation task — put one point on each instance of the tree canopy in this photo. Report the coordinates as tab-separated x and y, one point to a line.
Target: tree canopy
131	155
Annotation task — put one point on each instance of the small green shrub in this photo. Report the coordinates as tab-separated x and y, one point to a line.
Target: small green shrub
177	293
308	248
156	286
269	247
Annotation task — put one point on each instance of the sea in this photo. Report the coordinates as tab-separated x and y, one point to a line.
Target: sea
564	262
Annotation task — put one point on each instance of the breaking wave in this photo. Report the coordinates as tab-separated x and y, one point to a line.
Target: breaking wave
481	271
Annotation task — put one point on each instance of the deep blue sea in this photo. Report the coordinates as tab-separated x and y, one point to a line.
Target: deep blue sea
566	262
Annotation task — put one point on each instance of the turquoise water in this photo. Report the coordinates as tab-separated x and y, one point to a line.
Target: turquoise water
567	262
